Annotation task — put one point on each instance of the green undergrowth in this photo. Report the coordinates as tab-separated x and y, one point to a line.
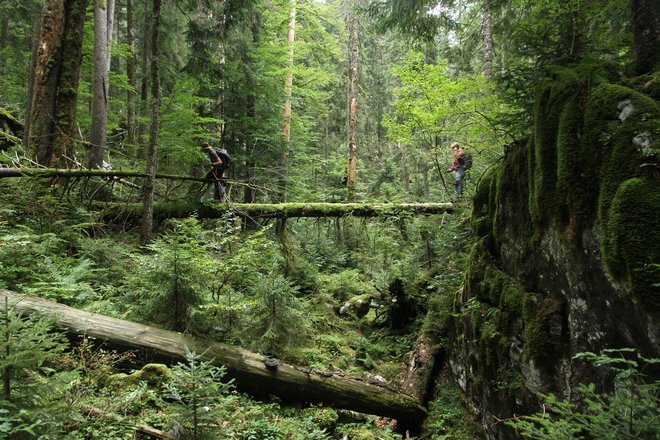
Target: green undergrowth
348	295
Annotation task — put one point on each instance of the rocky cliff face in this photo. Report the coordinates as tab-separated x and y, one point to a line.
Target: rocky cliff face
568	258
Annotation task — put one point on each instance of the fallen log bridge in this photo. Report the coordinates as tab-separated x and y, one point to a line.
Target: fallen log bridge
279	210
247	368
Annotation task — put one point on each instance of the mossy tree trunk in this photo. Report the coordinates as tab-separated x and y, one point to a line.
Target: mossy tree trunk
149	182
353	115
64	148
55	85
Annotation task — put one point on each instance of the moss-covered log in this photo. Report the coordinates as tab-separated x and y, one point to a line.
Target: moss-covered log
287	381
282	210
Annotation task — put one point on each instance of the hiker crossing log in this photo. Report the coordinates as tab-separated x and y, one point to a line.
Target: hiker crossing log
247	368
280	210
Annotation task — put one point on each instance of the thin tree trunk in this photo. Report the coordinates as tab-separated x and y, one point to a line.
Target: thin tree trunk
131	73
144	84
645	16
353	118
148	197
31	78
286	114
103	21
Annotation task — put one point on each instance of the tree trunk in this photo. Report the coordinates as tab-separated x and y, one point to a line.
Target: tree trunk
52	112
131	73
421	369
144	84
645	16
287	381
64	148
353	102
103	20
148	197
286	114
46	78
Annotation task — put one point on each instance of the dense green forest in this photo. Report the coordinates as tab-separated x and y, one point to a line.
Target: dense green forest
343	287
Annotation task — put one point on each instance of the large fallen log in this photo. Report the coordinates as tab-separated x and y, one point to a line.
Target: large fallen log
247	368
280	210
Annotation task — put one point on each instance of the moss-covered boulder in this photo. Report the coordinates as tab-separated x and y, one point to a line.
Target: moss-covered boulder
154	375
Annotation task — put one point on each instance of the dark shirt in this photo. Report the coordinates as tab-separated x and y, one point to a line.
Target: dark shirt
215	160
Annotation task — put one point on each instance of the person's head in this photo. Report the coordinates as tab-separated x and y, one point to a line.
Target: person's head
205	145
455	146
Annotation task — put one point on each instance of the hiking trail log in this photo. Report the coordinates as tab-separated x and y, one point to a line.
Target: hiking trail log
279	210
287	381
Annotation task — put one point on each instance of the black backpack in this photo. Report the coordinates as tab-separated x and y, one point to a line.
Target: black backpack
466	162
224	156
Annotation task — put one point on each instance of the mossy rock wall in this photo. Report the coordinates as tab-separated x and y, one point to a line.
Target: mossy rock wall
568	258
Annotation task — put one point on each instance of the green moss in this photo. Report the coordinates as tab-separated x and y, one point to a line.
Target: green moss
510	197
563	84
628	207
155	375
632	250
481	214
569	166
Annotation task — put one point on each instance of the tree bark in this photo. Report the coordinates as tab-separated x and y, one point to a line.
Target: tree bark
56	75
353	102
148	196
287	381
103	20
645	16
